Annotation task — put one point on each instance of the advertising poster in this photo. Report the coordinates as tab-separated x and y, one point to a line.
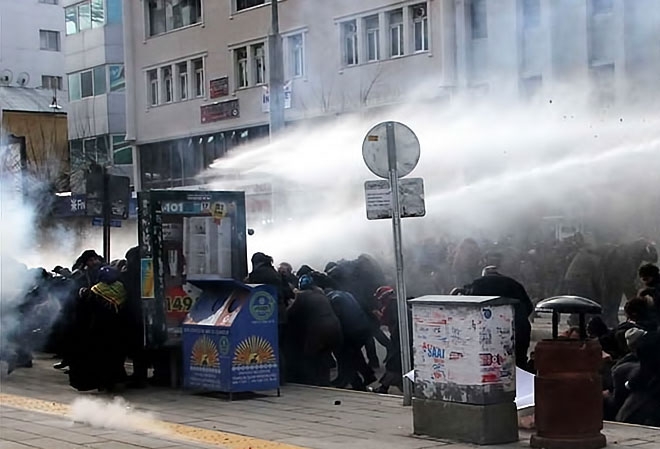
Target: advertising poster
147	272
230	340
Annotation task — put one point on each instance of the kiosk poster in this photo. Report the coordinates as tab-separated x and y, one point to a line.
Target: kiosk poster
203	238
230	339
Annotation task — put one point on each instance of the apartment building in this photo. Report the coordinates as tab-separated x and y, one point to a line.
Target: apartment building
197	70
609	48
94	60
31	33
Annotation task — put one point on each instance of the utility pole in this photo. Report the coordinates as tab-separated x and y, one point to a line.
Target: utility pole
275	72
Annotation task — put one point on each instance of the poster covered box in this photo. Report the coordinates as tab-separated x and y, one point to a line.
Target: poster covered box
464	349
230	338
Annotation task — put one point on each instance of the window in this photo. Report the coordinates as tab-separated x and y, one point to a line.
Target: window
245	4
350	40
531	10
94	149
420	27
297	55
241	67
152	76
50	40
168	87
182	76
198	67
51	82
98	13
396	33
168	15
478	19
117	78
531	86
74	87
84	16
259	64
87	84
372	25
99	80
601	6
122	152
71	20
48	2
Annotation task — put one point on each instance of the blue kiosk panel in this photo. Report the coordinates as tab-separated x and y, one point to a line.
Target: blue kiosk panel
230	340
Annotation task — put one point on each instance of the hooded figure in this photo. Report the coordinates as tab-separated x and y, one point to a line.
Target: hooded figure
642	406
97	361
315	333
263	272
620	265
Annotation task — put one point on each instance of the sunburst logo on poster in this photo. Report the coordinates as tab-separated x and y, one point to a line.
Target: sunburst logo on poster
254	351
205	353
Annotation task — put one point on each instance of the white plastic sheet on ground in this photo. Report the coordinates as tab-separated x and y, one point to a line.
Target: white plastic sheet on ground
524	387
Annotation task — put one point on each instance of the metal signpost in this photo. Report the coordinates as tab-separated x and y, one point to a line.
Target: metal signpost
391	151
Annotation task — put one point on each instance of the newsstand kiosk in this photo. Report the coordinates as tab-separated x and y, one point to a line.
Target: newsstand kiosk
186	238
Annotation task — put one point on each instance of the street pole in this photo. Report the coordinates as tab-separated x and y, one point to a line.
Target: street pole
107	213
275	72
404	335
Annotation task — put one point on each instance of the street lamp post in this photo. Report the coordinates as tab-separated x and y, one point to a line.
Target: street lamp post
276	72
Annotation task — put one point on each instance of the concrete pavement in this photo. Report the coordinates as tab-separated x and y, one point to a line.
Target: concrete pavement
34	413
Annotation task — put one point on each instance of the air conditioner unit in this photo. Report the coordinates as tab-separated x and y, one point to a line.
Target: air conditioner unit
419	12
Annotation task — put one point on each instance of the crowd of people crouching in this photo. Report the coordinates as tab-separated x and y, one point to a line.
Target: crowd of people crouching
631	356
90	317
343	310
334	318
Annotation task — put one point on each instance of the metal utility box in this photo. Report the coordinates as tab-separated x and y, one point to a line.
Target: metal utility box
186	236
230	339
465	367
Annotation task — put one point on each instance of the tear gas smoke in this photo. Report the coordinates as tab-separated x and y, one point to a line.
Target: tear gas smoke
489	171
116	415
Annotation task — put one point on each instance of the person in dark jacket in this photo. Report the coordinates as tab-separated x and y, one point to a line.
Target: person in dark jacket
263	272
97	361
388	315
492	283
315	333
649	274
353	369
623	369
642	406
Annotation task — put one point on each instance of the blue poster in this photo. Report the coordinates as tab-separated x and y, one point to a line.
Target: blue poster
236	349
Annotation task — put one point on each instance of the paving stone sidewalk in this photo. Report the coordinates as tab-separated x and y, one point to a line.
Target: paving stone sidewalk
304	417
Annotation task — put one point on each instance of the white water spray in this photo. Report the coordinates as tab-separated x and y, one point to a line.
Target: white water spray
487	171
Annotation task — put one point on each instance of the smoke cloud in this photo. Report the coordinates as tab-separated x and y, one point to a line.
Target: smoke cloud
116	415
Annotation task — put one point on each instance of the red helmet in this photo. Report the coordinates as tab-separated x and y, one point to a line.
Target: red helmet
384	292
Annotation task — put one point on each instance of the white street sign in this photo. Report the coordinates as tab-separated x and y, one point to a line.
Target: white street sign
379	198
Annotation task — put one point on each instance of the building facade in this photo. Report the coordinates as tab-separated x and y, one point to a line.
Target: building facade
31	37
197	70
94	61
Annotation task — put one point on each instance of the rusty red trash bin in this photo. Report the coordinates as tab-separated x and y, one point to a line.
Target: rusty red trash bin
568	385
